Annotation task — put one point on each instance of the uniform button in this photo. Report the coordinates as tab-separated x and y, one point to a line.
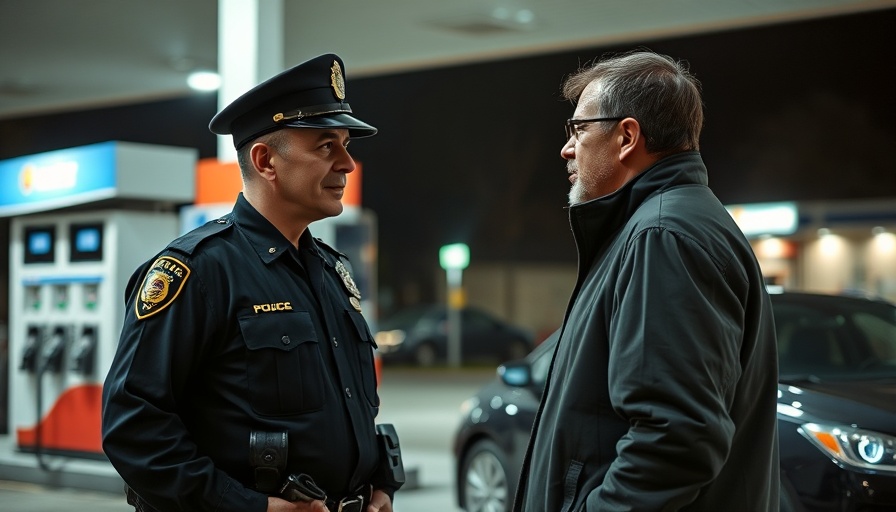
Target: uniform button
335	343
348	392
272	250
285	340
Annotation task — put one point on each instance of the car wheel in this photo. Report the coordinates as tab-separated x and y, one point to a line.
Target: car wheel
484	484
517	349
426	354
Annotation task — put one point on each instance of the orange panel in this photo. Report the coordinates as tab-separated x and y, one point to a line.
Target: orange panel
220	182
217	182
352	196
73	423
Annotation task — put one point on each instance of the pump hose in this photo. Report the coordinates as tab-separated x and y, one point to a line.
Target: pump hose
38	429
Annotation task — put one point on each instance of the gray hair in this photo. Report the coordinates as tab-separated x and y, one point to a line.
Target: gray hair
275	139
654	89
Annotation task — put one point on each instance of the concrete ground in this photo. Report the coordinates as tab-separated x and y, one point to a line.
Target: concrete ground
422	404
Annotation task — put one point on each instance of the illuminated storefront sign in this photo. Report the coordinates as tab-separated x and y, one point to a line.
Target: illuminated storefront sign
765	218
57	178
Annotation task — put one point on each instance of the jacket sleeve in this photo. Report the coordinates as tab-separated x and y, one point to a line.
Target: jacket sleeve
674	361
143	434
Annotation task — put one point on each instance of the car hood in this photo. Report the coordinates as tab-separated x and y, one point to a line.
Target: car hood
867	404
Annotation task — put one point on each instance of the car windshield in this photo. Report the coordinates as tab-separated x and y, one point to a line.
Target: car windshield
826	337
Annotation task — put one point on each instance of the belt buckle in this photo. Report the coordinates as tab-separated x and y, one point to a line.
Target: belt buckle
351	504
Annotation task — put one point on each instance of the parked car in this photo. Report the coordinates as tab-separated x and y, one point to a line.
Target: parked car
836	411
420	335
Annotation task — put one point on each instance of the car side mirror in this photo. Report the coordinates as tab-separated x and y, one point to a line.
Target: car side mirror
516	374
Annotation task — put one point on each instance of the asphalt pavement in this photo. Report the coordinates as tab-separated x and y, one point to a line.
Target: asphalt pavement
424	406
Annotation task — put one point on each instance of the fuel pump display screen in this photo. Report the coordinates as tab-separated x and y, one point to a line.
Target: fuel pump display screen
40	244
86	242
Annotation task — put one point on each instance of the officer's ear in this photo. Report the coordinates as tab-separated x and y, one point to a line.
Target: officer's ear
261	156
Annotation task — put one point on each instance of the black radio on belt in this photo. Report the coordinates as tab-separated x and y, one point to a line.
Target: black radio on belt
267	455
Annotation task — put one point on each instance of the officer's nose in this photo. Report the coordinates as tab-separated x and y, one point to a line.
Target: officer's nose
345	163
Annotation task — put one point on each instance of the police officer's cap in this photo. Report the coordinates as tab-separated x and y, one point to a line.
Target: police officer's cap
309	95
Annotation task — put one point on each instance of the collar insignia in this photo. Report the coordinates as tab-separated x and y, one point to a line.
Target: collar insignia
162	284
350	285
337	81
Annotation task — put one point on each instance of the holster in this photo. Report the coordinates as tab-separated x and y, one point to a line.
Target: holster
391	470
301	487
267	456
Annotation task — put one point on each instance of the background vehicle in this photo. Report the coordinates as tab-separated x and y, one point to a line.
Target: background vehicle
836	411
420	335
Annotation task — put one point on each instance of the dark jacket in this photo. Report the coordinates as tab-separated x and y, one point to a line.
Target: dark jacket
662	391
230	330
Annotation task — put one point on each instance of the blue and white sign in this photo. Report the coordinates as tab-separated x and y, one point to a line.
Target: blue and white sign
57	178
122	170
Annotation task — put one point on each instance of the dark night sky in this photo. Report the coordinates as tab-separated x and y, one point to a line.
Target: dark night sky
802	111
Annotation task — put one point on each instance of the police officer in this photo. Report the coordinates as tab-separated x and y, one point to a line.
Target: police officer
244	357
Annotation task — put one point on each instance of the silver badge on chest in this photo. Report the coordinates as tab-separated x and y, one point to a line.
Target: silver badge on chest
350	285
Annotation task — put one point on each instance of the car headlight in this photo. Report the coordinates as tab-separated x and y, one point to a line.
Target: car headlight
468	405
389	339
853	446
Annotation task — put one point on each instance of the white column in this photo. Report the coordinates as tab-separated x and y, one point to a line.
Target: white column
250	50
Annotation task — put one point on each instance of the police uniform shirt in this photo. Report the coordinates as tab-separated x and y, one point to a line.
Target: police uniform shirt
230	330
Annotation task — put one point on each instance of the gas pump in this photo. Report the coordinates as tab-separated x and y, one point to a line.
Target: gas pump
68	309
31	348
84	353
68	272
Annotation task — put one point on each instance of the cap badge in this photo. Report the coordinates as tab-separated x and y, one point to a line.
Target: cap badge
337	81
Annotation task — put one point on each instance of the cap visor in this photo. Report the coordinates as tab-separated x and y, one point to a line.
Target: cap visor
356	128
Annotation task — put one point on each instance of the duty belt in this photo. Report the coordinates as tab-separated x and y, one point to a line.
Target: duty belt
301	487
352	503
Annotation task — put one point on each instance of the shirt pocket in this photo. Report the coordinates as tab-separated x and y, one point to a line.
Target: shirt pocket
365	349
283	363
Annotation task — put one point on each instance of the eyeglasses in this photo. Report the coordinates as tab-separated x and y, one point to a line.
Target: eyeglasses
572	125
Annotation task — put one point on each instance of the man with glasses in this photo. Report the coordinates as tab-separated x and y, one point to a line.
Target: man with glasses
662	391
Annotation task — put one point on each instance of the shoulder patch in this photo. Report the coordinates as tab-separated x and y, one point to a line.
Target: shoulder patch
163	282
188	242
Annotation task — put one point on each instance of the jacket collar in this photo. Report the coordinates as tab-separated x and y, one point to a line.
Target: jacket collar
593	222
264	238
